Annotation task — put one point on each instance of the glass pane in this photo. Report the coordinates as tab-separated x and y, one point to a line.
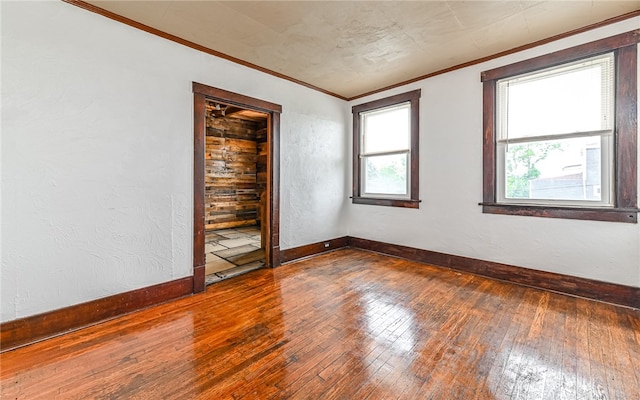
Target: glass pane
568	169
577	98
387	130
385	174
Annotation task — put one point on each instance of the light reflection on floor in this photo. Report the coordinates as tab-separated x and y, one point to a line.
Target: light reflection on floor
345	325
389	322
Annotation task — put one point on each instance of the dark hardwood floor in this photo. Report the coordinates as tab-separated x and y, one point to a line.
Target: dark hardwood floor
344	325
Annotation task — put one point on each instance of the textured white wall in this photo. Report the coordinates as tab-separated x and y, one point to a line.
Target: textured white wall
97	156
449	219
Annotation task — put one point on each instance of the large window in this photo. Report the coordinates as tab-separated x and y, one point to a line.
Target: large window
555	134
385	148
560	134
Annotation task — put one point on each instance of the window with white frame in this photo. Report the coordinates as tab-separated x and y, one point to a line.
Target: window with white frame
555	134
386	151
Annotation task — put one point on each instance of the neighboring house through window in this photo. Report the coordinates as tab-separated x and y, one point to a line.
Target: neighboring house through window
385	151
560	133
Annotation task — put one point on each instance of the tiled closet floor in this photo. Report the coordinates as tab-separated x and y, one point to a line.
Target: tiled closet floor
231	252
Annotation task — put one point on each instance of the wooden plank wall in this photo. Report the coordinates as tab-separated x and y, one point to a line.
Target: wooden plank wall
231	169
261	168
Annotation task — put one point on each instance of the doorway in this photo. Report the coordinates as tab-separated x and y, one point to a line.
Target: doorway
235	190
236	186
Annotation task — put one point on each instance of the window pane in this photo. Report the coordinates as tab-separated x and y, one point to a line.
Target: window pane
574	98
387	130
568	169
385	174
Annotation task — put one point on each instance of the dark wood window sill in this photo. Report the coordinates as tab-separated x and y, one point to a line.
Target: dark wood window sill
584	213
375	201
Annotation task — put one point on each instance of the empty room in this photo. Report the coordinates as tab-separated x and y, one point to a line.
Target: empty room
319	200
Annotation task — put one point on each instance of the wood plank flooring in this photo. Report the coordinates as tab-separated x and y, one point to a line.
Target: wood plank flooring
344	325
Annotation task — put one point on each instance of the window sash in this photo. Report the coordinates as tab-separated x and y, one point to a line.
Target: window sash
541	138
606	173
385	153
364	155
607	95
363	181
365	135
503	137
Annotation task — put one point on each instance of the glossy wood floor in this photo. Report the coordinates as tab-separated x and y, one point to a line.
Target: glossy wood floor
344	325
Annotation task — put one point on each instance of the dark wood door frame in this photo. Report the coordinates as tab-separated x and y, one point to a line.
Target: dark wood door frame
202	93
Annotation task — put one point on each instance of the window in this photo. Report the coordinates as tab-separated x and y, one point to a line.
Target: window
555	134
385	151
560	134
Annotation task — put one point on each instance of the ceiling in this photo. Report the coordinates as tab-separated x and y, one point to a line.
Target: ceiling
349	48
222	110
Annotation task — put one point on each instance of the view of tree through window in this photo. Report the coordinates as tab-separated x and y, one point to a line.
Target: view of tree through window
554	132
386	174
522	166
559	137
386	142
385	151
558	169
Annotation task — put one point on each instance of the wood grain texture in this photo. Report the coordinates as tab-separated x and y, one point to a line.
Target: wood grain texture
231	181
29	330
236	99
629	215
627	126
272	173
312	249
273	192
355	154
199	115
628	296
488	142
262	168
376	201
199	278
348	324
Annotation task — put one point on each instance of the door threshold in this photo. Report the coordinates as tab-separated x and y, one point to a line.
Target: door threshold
232	272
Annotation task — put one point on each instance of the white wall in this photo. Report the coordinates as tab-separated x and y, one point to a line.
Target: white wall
449	219
97	156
